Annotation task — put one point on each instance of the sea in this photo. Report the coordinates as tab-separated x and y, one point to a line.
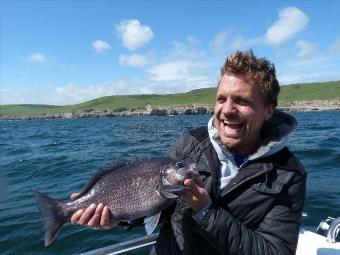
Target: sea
58	156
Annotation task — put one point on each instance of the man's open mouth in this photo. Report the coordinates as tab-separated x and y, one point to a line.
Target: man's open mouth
232	128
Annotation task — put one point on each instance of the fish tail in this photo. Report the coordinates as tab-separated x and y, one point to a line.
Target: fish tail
54	215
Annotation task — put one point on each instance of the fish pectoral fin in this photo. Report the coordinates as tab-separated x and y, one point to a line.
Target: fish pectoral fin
150	223
171	191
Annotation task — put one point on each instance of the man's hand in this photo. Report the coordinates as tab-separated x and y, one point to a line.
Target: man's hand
196	196
94	216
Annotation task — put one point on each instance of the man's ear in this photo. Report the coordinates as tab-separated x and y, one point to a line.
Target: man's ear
269	111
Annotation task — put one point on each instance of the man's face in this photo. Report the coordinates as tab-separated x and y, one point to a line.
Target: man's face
239	114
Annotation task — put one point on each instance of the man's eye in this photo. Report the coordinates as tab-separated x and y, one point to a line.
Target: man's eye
242	102
220	100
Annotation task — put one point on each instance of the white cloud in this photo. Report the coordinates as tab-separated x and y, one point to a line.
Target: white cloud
179	76
192	40
335	47
227	41
183	50
317	62
239	43
72	93
101	46
77	93
122	85
37	57
219	39
315	69
134	60
133	34
294	77
306	49
181	68
59	95
171	71
291	21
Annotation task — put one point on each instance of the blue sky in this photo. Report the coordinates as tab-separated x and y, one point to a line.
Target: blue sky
66	52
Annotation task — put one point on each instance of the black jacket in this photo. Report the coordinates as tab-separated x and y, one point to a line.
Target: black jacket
259	212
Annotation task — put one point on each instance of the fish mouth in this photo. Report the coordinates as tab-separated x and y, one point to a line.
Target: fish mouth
178	172
185	168
190	175
188	172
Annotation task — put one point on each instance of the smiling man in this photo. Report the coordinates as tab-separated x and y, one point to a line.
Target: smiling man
250	194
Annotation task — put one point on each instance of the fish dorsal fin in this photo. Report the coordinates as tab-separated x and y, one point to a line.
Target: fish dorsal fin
100	173
171	191
150	223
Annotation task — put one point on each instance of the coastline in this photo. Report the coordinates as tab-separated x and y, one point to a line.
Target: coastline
295	106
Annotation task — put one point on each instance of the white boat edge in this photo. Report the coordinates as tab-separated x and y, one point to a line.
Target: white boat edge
311	243
325	241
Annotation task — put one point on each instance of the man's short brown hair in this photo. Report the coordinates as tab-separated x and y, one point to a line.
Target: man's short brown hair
257	71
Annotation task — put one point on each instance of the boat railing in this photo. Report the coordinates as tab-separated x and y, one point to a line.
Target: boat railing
124	246
331	228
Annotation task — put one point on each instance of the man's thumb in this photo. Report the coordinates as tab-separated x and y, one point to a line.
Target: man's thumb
74	196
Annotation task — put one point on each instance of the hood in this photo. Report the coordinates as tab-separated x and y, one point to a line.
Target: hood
275	133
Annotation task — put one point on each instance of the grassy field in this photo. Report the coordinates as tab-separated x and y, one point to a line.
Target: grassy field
201	96
311	91
289	93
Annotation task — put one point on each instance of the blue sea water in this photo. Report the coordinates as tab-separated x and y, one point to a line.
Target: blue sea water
58	156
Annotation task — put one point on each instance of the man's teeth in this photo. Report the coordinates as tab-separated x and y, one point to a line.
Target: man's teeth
231	122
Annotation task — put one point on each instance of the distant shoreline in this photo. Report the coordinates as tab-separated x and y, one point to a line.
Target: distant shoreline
322	96
297	106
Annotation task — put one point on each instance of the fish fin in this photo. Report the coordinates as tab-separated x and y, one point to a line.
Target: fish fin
150	223
171	191
54	215
168	194
108	169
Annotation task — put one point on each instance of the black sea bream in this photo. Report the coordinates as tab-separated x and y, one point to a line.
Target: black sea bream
131	189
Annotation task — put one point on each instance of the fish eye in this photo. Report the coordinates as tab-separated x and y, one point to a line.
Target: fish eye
179	165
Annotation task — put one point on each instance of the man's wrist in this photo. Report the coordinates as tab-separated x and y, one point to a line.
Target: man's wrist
201	213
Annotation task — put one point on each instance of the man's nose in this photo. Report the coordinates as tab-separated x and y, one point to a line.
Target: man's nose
228	107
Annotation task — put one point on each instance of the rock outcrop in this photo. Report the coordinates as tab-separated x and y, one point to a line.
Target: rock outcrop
312	105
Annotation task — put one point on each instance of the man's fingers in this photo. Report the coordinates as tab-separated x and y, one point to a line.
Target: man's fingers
87	215
105	219
197	197
188	195
76	216
93	216
74	195
192	186
199	182
95	220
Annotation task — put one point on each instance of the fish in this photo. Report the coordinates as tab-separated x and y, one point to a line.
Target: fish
132	189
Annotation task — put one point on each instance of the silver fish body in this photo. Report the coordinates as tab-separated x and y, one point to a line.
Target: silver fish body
131	189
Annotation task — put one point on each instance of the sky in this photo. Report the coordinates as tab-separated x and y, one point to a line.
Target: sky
65	52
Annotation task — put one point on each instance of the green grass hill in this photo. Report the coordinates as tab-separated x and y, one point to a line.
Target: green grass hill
288	94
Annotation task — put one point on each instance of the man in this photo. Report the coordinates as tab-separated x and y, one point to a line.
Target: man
250	194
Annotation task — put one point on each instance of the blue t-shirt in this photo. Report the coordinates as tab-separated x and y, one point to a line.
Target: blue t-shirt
240	158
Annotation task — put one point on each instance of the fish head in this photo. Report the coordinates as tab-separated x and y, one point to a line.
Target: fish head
176	173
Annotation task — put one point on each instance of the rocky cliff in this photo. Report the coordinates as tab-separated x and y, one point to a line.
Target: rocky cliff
313	105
